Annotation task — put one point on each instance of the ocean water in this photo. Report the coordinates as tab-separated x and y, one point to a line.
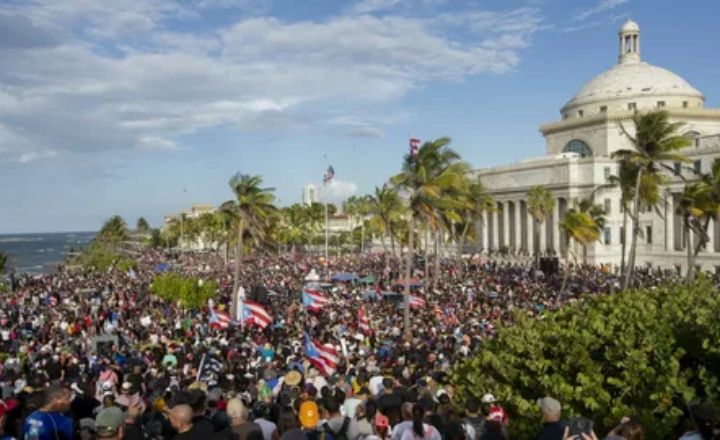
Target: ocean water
40	253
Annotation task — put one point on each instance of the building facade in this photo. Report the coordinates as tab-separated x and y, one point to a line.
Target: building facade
310	195
577	162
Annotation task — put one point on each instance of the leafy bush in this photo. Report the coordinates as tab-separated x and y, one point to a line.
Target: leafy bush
101	257
642	353
187	291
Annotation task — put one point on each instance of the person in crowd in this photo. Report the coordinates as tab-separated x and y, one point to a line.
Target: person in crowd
554	427
109	424
49	422
705	418
420	430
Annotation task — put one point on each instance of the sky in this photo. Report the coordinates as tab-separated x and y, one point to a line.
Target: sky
145	107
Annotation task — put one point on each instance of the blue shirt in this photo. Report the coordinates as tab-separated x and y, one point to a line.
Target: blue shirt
45	425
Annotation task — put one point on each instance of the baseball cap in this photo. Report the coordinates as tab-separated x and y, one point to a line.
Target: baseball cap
550	405
488	398
87	423
109	421
309	414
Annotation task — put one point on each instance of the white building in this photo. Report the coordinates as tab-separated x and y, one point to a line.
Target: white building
310	194
577	161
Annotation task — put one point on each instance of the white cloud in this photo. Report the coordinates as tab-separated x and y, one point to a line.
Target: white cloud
337	190
602	6
114	75
156	143
367	6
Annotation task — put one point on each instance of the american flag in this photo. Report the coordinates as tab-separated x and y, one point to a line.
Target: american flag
324	357
414	146
363	321
219	319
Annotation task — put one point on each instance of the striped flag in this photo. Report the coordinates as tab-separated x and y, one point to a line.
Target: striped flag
256	314
416	302
329	174
314	300
414	146
219	319
324	357
363	321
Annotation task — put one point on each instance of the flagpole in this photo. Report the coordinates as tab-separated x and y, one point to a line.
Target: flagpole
202	362
327	236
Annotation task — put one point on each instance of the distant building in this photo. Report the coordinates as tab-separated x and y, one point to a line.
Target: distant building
310	195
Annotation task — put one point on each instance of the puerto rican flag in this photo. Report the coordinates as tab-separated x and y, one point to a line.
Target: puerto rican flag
52	300
314	300
324	357
416	302
414	146
363	321
220	320
256	314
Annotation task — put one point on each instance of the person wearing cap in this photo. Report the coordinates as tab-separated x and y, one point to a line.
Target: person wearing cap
109	424
87	429
49	422
553	427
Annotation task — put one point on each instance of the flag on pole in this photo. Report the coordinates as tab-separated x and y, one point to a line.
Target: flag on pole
416	302
314	300
414	146
209	371
324	357
255	314
219	319
363	321
329	175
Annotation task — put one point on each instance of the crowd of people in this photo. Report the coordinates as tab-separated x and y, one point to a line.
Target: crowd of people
90	355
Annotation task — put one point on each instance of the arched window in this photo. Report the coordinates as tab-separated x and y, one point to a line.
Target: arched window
579	147
693	136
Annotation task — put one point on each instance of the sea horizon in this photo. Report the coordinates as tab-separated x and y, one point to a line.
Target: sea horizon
41	252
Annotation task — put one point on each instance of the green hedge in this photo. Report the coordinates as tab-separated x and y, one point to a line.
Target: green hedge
641	353
101	257
187	291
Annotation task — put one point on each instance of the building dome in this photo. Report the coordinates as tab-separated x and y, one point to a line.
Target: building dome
630	26
632	84
625	82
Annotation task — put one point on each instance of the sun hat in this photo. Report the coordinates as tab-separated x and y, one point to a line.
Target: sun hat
293	378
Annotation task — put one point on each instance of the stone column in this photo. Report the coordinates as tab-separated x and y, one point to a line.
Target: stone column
710	246
506	224
556	227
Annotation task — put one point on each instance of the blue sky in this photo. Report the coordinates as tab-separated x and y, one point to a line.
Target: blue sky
140	107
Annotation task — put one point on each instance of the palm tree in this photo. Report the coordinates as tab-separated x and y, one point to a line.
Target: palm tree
425	177
386	209
655	142
142	225
625	180
113	232
699	203
584	223
3	262
251	209
473	203
540	205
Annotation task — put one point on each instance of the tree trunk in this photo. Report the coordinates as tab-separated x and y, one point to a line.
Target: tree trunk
584	247
392	242
426	271
436	268
238	261
636	230
623	242
701	240
408	270
463	236
689	246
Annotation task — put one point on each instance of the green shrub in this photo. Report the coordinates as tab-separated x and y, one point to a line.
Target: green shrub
101	257
187	291
640	353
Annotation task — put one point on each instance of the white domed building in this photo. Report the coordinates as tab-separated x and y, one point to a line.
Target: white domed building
578	162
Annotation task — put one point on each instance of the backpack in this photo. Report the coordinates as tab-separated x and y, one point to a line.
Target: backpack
341	434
